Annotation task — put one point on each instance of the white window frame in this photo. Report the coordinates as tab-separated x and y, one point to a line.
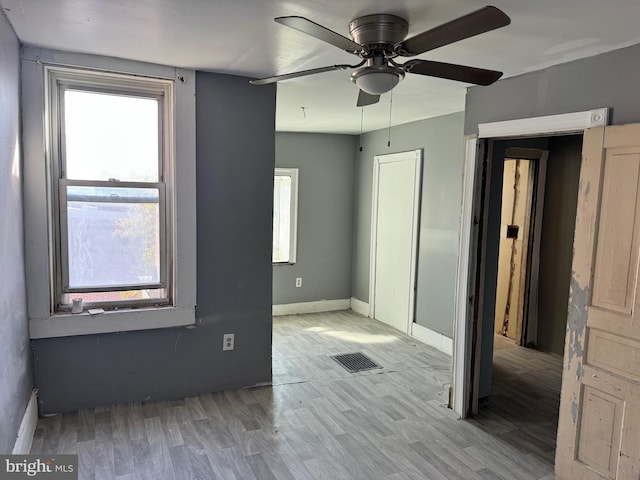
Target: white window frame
60	80
293	225
44	322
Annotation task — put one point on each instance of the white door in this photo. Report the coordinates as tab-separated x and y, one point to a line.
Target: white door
396	192
599	423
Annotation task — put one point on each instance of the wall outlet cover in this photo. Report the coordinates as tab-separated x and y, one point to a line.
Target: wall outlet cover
228	341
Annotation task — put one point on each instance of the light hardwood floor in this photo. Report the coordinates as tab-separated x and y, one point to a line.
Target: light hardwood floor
318	421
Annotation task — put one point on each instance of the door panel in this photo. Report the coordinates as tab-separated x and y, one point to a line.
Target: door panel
395	238
614	353
617	244
599	423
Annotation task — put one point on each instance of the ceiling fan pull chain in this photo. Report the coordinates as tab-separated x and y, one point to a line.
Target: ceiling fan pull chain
361	125
390	110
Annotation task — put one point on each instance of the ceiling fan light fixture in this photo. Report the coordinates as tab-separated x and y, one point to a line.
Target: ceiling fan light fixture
377	80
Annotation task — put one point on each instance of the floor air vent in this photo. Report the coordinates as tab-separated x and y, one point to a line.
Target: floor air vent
355	362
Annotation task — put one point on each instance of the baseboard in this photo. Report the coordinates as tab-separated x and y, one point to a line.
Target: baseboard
431	338
27	427
360	307
311	307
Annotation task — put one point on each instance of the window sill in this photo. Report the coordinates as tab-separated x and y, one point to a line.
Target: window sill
280	264
68	324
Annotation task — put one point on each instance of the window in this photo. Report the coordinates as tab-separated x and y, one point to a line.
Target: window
285	211
111	194
99	191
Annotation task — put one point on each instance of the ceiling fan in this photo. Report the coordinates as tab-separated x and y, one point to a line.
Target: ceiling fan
380	38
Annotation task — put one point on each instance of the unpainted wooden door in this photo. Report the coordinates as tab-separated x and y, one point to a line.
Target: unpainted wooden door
599	421
517	190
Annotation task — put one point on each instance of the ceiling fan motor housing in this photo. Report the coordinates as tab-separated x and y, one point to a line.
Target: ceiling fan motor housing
378	32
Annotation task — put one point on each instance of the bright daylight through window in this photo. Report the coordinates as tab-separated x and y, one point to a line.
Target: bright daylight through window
285	199
111	235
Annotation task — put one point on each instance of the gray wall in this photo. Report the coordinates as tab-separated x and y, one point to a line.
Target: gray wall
556	246
326	166
607	80
235	161
15	365
442	140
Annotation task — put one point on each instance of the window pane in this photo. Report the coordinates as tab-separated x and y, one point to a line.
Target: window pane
110	136
113	236
281	218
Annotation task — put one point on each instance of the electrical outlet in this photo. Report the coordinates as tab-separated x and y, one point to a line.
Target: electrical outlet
298	282
228	341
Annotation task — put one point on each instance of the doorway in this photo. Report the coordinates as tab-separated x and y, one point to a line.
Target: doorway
529	222
394	237
541	258
470	334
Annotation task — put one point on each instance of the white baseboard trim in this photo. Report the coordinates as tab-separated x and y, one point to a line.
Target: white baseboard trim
311	307
360	307
431	338
27	427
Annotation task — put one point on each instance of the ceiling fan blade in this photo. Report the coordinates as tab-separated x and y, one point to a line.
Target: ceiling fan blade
450	71
305	25
365	99
303	73
480	21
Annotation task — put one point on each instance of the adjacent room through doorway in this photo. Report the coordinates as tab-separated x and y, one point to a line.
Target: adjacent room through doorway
531	199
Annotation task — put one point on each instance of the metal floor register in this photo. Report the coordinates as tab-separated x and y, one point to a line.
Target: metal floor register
355	362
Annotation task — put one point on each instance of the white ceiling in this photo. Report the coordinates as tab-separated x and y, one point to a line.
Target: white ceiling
240	37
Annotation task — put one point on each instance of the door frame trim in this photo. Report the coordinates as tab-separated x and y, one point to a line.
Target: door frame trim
377	161
464	343
536	242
